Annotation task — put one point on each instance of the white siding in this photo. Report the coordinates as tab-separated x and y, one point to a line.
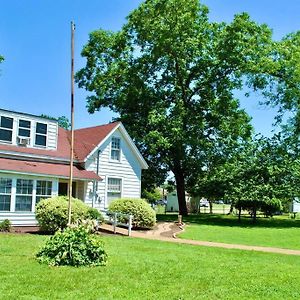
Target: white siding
52	136
128	169
19	219
52	129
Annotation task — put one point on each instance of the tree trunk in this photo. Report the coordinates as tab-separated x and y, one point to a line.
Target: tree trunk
254	215
210	206
180	186
231	209
240	211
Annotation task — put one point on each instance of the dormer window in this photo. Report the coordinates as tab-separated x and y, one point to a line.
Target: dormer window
6	129
24	128
115	149
41	134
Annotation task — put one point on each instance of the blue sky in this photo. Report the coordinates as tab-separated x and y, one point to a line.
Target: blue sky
35	40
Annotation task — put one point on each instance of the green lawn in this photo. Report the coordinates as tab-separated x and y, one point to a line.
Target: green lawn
274	232
144	269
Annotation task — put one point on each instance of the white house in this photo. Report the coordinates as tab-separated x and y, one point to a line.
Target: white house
34	164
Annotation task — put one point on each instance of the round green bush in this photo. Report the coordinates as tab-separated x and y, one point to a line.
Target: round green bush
52	213
94	214
74	246
143	215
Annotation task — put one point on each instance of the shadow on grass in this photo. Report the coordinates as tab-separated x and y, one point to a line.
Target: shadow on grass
232	221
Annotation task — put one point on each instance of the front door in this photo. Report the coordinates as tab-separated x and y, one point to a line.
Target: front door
63	189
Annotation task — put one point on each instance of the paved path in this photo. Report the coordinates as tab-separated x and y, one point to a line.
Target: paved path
167	231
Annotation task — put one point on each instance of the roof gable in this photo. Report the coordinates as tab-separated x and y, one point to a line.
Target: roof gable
128	139
87	139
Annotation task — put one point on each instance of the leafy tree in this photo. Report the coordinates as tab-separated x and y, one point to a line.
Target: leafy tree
63	121
213	180
170	74
279	79
268	171
152	196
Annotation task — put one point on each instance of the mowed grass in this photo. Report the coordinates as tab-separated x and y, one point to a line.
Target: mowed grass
273	232
145	269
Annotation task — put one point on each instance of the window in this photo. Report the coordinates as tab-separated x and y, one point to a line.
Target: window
41	134
114	186
6	129
115	148
24	195
24	128
5	193
43	190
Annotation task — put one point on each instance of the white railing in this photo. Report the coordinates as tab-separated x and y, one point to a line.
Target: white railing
116	219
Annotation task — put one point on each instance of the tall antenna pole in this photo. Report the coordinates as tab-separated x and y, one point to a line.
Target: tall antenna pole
72	122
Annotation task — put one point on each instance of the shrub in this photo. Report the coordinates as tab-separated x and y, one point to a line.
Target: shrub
94	214
143	214
271	206
5	226
52	213
74	246
266	205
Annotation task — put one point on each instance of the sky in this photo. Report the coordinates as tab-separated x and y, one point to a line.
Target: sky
35	41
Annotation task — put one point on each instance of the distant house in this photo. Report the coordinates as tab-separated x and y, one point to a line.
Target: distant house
172	201
34	164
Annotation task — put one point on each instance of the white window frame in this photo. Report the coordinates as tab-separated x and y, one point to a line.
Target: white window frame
43	196
9	129
115	149
6	193
14	178
25	195
113	191
41	134
24	128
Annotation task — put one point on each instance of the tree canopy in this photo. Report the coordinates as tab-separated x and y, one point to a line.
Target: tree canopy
63	121
171	74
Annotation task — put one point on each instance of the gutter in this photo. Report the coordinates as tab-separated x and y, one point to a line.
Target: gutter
34	157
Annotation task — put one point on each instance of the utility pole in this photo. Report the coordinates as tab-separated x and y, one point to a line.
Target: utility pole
72	123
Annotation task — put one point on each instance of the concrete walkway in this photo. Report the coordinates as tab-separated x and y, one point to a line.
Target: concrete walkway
167	231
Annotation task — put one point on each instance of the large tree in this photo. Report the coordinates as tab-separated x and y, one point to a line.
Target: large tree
171	74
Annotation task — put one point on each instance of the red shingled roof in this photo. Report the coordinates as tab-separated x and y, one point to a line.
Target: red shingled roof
56	170
86	139
63	147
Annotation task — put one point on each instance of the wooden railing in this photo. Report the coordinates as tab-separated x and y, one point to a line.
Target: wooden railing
118	219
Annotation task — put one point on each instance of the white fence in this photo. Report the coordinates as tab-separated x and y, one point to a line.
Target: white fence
118	219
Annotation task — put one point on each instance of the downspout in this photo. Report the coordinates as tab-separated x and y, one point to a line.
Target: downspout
97	171
95	182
